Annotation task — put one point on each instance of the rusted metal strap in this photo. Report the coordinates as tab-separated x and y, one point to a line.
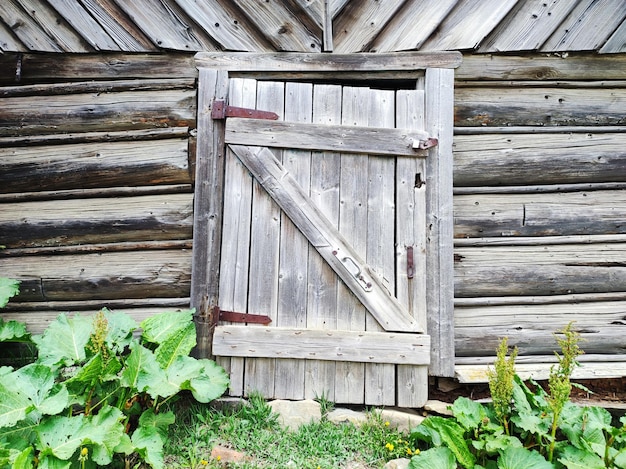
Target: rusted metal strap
220	110
233	316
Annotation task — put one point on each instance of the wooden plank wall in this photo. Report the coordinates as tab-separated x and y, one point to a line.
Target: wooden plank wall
96	174
96	165
540	206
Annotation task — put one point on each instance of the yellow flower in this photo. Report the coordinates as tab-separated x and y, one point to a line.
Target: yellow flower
389	446
387	424
409	452
204	462
84	452
219	458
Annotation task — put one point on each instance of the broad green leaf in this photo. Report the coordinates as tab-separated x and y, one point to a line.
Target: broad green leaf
211	383
63	342
49	461
24	460
452	435
182	371
427	435
160	327
532	423
37	383
8	289
121	327
104	431
522	458
160	421
468	413
177	344
13	331
149	444
434	458
495	444
60	436
13	404
575	458
620	459
142	372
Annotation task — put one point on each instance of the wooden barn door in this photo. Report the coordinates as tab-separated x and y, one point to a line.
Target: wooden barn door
322	286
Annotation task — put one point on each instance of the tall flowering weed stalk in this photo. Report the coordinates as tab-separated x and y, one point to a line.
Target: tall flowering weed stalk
94	395
525	426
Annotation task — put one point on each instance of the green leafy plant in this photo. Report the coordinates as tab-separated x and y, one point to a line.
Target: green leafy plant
8	289
95	394
525	427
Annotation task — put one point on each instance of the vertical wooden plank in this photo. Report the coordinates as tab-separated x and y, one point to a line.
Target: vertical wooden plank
208	200
236	233
380	379
264	253
412	381
323	282
292	277
350	377
439	89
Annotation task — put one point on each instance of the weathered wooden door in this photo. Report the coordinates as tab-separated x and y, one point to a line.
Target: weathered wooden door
324	232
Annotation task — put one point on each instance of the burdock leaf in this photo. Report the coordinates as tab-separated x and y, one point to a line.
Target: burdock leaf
211	383
63	342
158	328
434	458
515	457
8	289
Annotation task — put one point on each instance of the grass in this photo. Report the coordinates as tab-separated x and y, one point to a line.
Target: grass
254	431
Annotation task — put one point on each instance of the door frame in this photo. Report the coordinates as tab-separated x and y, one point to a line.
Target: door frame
437	68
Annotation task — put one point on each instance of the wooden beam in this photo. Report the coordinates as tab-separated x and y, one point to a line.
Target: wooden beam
346	139
208	206
320	62
439	93
474	374
317	344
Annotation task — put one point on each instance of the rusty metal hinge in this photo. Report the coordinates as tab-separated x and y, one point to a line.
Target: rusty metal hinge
233	316
220	110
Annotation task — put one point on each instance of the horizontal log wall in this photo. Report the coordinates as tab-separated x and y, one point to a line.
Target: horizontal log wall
96	184
540	204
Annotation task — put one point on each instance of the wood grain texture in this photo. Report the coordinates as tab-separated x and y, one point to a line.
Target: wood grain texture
104	276
540	214
439	97
294	256
26	29
38	68
322	311
311	62
412	387
208	203
349	139
91	31
90	165
340	346
498	271
235	249
280	26
532	159
587	26
265	240
455	31
67	222
412	25
541	67
539	106
360	22
91	112
528	26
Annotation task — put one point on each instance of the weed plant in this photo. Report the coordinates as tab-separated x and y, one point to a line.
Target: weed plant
526	427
